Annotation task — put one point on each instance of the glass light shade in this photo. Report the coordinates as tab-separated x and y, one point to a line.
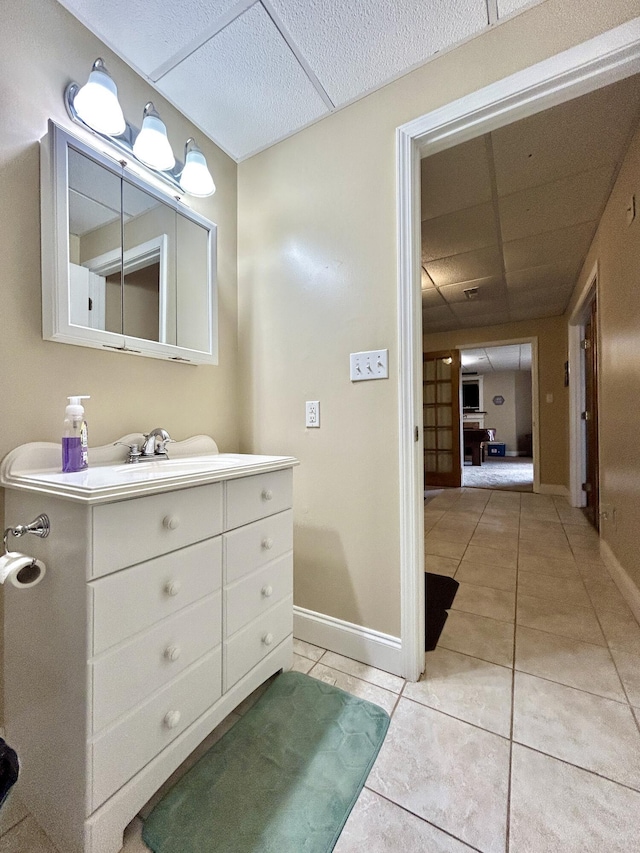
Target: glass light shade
152	146
96	103
196	178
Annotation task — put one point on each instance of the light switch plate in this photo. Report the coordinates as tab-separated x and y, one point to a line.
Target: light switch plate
373	364
312	413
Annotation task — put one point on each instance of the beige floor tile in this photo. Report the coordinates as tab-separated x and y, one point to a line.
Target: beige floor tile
362	689
494	539
455	533
490	576
467	688
570	590
628	666
448	772
569	662
548	566
559	617
485	601
541	547
483	556
450	522
588	731
594	570
478	636
27	837
307	650
587	555
605	595
443	547
301	664
507	519
378	826
366	673
532	525
13	810
556	808
440	565
621	630
547	514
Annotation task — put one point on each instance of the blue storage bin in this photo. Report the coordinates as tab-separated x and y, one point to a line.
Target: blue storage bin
496	448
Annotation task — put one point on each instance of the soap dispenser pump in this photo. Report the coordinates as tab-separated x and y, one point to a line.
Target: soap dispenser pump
74	437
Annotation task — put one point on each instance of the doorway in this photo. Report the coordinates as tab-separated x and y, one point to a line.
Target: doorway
605	59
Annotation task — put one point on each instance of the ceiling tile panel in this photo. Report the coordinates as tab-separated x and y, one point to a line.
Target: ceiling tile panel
574	137
476	321
244	87
540	278
488	288
148	32
469	267
387	38
462	231
454	179
432	297
572	200
479	307
567	246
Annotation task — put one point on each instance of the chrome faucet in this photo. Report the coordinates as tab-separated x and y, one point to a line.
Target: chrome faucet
154	446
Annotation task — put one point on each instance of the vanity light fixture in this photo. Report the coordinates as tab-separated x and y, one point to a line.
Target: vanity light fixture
97	102
152	146
196	178
95	107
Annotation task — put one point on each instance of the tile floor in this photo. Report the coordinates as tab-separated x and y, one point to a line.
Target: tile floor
523	734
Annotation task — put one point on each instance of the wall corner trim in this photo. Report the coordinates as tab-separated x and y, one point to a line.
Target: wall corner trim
553	489
627	587
374	648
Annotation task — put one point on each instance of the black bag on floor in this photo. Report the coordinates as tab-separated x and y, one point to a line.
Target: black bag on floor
9	769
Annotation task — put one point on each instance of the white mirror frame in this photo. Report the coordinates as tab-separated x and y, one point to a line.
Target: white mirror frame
56	325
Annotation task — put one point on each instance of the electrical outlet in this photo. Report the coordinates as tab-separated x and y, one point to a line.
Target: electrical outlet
312	418
369	365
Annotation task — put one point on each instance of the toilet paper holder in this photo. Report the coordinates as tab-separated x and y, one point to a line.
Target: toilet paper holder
40	526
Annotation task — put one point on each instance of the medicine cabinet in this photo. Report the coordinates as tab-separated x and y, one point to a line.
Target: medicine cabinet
124	265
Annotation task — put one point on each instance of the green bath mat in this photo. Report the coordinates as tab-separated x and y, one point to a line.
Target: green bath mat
282	780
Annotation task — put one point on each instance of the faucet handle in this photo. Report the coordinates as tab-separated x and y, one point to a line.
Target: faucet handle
134	450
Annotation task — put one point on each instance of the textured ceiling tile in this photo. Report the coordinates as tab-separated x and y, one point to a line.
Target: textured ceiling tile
462	231
573	137
572	200
244	87
147	32
85	214
357	46
537	278
454	179
432	297
484	263
567	246
488	288
477	307
535	312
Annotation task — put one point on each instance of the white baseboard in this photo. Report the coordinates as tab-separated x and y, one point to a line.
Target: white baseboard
353	641
552	489
511	453
627	587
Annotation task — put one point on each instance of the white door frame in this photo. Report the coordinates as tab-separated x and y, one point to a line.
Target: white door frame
535	396
598	62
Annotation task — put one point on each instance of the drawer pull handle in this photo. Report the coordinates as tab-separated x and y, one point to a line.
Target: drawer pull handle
170	522
171	719
267	494
267	543
172	653
172	587
267	591
267	639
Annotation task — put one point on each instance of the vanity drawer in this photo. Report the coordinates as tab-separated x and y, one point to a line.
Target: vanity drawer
129	601
122	750
255	594
255	497
128	532
251	546
251	644
124	677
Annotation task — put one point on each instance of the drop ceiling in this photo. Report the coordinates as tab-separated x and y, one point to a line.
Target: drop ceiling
508	217
483	360
251	73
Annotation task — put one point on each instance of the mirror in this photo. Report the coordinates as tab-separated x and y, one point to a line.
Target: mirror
124	266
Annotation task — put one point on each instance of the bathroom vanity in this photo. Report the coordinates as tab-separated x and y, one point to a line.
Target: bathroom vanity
167	601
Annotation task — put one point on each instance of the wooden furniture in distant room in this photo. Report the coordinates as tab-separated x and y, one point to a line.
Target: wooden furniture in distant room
474	440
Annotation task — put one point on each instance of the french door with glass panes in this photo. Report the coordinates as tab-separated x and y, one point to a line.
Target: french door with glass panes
441	412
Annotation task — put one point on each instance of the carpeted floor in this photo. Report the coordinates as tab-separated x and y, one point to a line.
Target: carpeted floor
514	473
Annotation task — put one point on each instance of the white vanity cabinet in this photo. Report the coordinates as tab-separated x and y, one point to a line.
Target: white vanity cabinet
157	616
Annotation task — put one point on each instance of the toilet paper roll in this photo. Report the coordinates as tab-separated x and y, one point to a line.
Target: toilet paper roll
20	570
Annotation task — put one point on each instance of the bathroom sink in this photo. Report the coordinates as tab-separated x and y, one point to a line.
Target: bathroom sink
37	470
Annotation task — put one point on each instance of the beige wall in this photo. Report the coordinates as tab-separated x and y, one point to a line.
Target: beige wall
524	414
616	249
43	48
317	280
501	418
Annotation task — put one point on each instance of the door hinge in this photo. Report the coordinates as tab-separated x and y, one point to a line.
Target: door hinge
417	434
586	487
585	344
586	416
